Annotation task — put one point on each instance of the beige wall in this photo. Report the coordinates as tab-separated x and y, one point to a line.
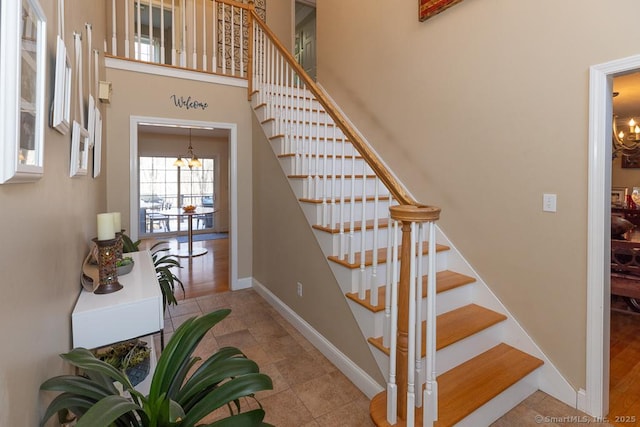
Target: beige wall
286	252
480	110
136	94
213	148
46	228
280	18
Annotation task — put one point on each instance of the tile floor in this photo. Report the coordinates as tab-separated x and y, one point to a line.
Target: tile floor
308	390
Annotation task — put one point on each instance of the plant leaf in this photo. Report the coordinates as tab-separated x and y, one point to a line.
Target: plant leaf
180	347
231	390
106	411
67	401
77	385
83	358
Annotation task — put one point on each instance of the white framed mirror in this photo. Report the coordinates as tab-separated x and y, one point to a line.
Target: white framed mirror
61	108
79	150
22	84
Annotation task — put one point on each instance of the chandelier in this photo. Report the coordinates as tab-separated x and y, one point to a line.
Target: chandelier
626	144
190	159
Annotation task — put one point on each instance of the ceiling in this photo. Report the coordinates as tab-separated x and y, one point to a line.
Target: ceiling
627	104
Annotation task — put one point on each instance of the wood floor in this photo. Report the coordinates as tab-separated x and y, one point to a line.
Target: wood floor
209	274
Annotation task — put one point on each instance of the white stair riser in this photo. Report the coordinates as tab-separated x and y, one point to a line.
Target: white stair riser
272	101
330	242
502	403
333	166
350	278
370	323
293	112
318	190
466	349
287	127
333	213
308	146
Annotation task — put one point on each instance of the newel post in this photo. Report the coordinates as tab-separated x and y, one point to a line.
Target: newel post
406	214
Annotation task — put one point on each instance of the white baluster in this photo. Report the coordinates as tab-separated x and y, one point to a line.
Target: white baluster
173	33
233	42
418	322
194	53
352	212
214	45
138	31
363	234
430	411
126	29
224	41
374	267
343	250
392	388
411	350
386	325
183	41
204	36
161	32
114	39
241	50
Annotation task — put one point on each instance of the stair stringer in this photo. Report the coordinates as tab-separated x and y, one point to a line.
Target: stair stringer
550	380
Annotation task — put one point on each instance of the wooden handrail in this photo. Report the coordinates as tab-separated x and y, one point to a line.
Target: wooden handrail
390	181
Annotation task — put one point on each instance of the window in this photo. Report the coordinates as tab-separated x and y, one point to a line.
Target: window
165	186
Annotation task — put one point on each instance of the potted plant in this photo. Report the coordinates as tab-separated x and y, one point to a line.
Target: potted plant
174	399
131	357
164	263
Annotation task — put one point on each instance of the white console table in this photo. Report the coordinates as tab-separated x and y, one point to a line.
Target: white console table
133	311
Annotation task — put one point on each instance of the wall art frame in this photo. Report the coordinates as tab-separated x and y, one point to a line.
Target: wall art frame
429	8
79	150
61	108
22	90
97	144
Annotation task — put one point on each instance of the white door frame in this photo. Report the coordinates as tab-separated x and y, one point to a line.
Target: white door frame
233	181
596	397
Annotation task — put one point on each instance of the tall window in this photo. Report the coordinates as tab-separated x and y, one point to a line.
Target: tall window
165	186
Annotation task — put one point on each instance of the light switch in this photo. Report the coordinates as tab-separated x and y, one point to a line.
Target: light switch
549	202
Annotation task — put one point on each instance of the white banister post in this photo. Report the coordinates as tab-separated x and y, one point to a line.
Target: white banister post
162	55
114	39
430	411
126	29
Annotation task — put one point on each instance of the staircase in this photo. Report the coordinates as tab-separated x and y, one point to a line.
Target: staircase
477	377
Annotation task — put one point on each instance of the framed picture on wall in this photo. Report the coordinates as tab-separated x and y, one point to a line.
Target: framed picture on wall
618	196
429	8
22	90
61	110
630	162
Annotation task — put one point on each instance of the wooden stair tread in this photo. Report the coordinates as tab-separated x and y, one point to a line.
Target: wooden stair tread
454	326
445	281
357	226
468	386
358	199
382	256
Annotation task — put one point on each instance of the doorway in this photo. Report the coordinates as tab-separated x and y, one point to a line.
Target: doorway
595	398
305	36
231	130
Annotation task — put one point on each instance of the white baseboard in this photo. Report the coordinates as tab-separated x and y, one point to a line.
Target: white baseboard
242	283
357	376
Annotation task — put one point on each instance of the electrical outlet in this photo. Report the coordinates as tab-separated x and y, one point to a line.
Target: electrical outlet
299	289
549	202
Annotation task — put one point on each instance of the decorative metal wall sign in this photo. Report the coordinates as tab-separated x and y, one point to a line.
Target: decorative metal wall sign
429	8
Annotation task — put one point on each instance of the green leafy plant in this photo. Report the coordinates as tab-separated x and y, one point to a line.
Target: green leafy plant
174	399
164	263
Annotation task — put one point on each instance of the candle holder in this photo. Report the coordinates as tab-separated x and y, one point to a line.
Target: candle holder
119	244
107	268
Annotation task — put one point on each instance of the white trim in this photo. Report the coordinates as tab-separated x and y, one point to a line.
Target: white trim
356	375
596	395
243	283
134	121
166	71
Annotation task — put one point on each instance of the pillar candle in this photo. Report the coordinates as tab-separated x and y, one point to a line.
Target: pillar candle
117	222
106	230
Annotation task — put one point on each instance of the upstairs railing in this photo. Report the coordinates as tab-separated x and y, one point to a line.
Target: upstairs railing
230	38
200	35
